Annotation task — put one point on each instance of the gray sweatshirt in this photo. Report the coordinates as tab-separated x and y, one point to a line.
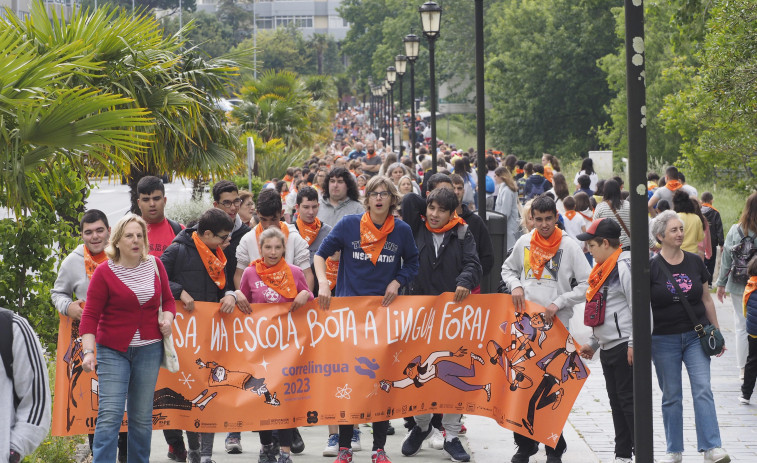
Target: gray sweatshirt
72	281
25	427
618	325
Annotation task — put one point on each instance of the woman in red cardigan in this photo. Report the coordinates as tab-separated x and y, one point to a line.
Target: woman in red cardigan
121	316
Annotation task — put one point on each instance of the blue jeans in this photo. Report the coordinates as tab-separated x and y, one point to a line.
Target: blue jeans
133	373
669	352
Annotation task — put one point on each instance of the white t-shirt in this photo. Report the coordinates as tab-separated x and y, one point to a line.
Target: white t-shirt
296	252
666	194
594	179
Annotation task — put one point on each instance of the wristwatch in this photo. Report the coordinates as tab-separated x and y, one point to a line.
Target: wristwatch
14	457
87	351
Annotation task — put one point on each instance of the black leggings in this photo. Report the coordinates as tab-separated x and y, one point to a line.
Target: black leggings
379	435
285	437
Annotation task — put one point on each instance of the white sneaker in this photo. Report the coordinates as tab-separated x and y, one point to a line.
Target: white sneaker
716	455
332	446
623	460
436	439
675	457
743	400
355	443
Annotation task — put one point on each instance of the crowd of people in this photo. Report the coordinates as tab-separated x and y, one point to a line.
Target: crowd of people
566	251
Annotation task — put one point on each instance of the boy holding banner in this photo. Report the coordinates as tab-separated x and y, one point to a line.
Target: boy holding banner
378	256
447	251
540	269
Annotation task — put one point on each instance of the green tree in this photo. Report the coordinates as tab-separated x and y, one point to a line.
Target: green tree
208	33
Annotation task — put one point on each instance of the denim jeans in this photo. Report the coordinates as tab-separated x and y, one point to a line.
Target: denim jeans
133	373
669	353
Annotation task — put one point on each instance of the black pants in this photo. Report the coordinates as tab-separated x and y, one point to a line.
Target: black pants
379	435
285	437
710	264
619	382
174	438
524	442
750	370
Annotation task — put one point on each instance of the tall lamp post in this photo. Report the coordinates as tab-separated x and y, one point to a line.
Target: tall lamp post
412	44
391	78
431	18
382	92
400	63
388	115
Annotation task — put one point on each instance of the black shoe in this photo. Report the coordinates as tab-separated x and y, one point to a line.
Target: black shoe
414	440
455	450
524	453
554	459
390	430
176	453
298	445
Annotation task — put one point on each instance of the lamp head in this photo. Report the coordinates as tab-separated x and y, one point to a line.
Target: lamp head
431	18
412	46
400	63
391	75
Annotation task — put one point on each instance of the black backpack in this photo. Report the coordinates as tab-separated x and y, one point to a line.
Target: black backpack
741	254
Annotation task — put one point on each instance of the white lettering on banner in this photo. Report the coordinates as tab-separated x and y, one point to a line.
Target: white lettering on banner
218	336
190	332
334	326
407	327
370	326
454	326
248	334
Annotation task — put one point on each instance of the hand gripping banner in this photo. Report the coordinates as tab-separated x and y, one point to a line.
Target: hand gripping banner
355	363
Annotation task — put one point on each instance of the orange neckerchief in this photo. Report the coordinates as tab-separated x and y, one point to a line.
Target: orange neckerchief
370	156
570	214
284	196
214	263
587	217
710	206
332	269
549	172
279	277
542	250
519	171
751	285
673	185
282	225
372	239
288	179
453	221
651	185
600	273
309	231
91	262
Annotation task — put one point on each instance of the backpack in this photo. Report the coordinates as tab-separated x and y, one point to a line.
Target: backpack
6	347
537	190
741	254
175	226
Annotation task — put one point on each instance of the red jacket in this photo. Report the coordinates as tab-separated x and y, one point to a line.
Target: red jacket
113	314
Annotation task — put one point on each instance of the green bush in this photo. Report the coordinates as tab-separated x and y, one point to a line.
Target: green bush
187	211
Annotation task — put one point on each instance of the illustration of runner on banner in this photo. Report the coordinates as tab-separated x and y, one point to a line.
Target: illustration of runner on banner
356	362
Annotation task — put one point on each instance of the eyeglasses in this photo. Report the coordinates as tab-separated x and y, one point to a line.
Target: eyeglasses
223	237
379	194
227	204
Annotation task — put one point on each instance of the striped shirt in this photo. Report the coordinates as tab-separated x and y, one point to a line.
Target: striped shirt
141	281
604	211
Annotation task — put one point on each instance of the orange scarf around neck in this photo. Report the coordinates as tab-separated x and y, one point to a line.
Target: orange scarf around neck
288	179
587	217
519	171
673	185
454	220
279	277
372	239
600	273
214	263
570	214
332	270
751	285
710	206
542	250
309	231
91	262
284	229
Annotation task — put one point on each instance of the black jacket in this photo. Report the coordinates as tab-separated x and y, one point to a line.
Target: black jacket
716	227
231	253
187	272
456	265
483	240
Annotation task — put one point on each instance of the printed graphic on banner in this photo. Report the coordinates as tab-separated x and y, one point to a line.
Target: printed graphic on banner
357	362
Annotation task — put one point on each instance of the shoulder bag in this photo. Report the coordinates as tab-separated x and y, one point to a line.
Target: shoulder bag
710	337
170	359
622	224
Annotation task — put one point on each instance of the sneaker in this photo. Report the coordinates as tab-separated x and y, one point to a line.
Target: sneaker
233	445
623	460
743	400
463	429
414	440
671	457
554	459
332	446
716	455
524	453
355	443
455	450
284	458
380	457
268	454
436	439
344	456
298	445
177	454
390	430
193	456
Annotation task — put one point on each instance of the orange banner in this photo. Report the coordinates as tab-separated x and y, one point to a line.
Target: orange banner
357	362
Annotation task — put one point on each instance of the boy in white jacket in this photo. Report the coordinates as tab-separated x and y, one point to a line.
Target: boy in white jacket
540	269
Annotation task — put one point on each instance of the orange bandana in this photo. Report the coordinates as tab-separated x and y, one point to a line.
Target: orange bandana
542	250
309	231
282	225
91	262
600	273
673	185
570	214
332	270
372	239
288	179
751	285
519	171
284	196
370	156
214	263
279	277
587	217
651	185
710	206
453	220
549	172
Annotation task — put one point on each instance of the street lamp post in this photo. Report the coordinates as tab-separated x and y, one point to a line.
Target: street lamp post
400	63
431	18
382	92
412	44
391	78
388	115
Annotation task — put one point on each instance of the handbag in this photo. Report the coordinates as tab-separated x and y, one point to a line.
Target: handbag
622	224
709	336
594	310
170	360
